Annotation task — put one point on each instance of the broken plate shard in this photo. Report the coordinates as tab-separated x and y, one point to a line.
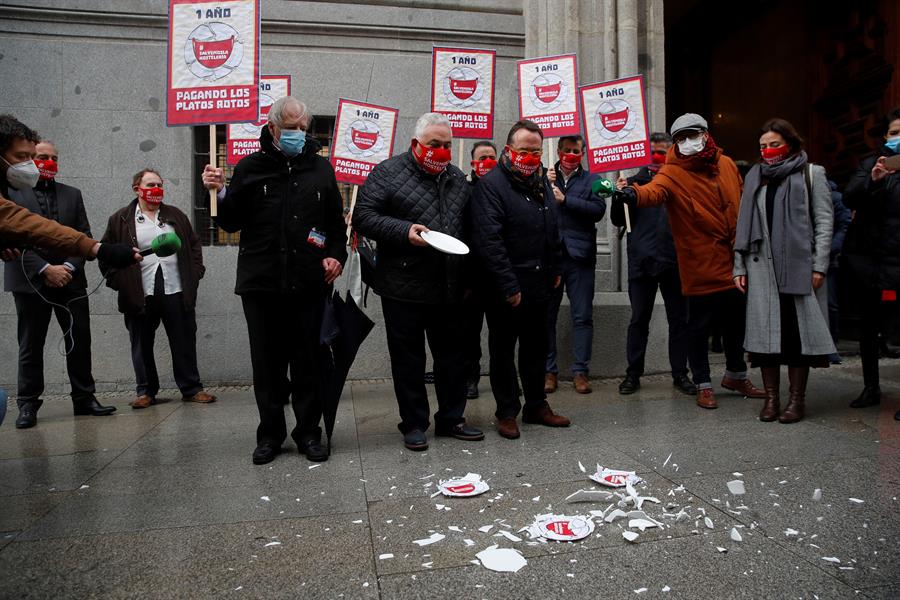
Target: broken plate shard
736	487
735	535
817	495
589	496
462	487
561	528
642	524
614	477
615	514
435	537
629	535
708	522
504	560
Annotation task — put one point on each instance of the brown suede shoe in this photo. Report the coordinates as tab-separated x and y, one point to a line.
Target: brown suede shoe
582	384
201	397
743	386
508	428
545	416
551	382
706	399
142	401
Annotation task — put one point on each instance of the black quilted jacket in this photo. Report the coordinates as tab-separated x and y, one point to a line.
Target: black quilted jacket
397	194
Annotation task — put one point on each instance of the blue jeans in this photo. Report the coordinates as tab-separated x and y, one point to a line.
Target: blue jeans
3	397
578	283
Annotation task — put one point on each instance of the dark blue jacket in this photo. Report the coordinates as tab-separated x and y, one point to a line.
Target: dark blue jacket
842	218
651	250
578	215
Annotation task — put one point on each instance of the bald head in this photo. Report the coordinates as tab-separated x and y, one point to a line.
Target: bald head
46	149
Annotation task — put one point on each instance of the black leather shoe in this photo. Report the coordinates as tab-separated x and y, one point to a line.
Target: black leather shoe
870	396
472	389
684	385
461	431
265	453
629	385
415	440
92	407
27	417
313	448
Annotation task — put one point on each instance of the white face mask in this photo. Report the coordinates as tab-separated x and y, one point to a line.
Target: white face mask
692	145
23	175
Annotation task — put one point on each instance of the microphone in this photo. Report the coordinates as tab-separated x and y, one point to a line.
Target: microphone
603	187
163	245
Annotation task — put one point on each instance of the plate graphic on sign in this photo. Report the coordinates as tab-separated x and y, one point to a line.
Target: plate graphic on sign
462	89
213	50
615	119
548	91
547	94
363	137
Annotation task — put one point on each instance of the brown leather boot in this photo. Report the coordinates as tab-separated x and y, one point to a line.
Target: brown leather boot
743	386
582	384
508	428
142	401
797	376
201	397
545	416
771	377
551	381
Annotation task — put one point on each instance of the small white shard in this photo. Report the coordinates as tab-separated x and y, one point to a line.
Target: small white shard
832	559
536	499
455	528
469	542
721	549
667	459
272	544
311	467
84	487
640	590
615	514
736	487
735	535
666	589
385	556
435	537
708	522
790	531
357	521
589	496
642	524
581	467
817	495
264	498
485	528
857	501
508	535
504	560
629	535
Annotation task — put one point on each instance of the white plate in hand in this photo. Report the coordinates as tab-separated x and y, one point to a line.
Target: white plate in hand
443	242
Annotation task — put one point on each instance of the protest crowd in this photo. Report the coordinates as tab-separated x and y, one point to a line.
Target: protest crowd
748	254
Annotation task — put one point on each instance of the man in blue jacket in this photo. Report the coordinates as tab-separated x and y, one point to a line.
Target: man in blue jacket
578	211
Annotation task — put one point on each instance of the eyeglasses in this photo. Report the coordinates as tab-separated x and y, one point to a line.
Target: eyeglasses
528	152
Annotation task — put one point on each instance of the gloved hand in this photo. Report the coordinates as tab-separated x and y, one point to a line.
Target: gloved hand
117	256
626	195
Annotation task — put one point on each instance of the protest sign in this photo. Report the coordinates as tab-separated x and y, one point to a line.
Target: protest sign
243	138
363	137
615	125
548	94
462	88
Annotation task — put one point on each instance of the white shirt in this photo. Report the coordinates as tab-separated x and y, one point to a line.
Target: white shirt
147	231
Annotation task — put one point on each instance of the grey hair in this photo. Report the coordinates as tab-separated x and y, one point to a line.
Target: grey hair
429	119
276	113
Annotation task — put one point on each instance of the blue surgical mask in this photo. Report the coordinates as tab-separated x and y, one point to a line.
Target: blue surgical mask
292	141
893	144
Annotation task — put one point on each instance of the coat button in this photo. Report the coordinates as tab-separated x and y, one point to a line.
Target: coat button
295	184
755	259
537	268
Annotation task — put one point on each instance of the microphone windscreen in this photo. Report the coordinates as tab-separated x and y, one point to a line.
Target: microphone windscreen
166	244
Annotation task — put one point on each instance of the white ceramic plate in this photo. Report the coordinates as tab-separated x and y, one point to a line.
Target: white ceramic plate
445	243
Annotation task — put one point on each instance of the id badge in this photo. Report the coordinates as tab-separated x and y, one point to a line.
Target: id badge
316	238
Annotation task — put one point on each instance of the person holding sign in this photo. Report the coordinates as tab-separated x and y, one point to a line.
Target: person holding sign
578	211
701	188
516	237
421	292
285	202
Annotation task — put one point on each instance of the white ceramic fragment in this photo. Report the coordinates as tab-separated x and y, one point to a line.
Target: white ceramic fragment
735	535
736	487
629	535
504	560
435	537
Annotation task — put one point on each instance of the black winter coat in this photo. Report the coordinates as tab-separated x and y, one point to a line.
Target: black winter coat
578	215
516	237
872	245
277	203
396	195
651	249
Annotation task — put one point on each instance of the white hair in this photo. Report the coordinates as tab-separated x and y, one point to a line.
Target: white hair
276	113
429	119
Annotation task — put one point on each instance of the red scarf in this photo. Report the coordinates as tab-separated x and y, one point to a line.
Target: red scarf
707	155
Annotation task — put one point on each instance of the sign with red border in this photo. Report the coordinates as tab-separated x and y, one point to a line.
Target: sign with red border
363	137
548	94
462	88
213	62
614	114
242	139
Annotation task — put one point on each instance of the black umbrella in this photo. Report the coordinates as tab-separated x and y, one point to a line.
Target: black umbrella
344	328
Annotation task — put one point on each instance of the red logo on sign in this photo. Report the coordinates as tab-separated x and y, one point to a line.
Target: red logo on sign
547	93
465	488
213	54
615	121
463	88
364	139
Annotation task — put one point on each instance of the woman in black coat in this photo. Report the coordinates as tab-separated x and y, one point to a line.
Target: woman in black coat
872	247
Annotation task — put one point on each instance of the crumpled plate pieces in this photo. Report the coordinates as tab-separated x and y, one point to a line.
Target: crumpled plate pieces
471	484
504	560
561	528
614	477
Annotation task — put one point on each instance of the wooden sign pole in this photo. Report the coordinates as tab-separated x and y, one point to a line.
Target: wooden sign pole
213	161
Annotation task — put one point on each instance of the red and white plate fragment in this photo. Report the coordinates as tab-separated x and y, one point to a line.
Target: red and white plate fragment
561	528
614	477
470	484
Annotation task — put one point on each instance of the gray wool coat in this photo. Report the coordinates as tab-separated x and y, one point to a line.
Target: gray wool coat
763	332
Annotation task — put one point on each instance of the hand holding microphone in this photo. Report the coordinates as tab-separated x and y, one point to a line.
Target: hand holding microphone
117	256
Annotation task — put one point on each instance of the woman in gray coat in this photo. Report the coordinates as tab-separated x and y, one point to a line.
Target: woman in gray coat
782	247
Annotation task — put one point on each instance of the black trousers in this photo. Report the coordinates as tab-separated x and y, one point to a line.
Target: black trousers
286	356
408	324
642	295
33	322
181	329
473	320
728	310
871	320
527	325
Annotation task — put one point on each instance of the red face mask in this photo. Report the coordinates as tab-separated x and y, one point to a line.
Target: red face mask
771	156
526	164
48	168
152	196
432	160
570	161
658	157
483	167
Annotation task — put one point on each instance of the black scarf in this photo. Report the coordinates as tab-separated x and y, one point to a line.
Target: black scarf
531	185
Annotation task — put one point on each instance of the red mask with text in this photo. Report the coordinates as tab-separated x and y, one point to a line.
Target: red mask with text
570	161
659	159
433	160
775	155
483	167
47	167
152	196
526	164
